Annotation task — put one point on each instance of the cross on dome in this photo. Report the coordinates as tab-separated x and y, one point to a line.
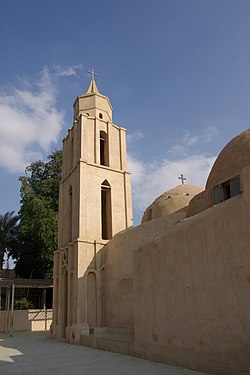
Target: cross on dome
182	178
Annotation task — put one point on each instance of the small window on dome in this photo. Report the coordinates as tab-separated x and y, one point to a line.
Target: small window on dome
150	214
226	190
235	186
217	194
100	116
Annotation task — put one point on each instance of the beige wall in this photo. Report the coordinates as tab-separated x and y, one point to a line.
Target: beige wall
192	291
26	320
118	287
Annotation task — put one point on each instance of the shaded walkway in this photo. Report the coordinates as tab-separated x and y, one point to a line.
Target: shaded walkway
35	353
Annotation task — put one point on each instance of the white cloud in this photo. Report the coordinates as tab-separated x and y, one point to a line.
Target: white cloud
184	147
68	71
137	168
209	133
136	136
190	140
152	179
149	180
29	122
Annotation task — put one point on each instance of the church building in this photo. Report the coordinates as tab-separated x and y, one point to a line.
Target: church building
175	289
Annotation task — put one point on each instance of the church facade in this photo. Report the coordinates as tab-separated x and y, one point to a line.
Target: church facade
175	289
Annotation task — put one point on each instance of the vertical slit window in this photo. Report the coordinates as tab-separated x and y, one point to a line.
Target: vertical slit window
104	157
106	211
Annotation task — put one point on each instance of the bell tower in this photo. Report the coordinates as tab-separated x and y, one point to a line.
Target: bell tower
95	203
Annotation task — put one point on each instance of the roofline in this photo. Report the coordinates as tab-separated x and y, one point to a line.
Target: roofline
92	94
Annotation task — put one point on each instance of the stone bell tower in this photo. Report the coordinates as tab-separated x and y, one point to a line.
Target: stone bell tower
95	204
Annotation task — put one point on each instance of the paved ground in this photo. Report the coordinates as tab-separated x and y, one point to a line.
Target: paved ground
35	353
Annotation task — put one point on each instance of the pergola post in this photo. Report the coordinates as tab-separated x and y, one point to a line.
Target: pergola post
7	308
11	284
12	310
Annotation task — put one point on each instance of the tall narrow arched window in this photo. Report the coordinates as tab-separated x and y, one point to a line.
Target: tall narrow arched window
70	212
104	155
106	211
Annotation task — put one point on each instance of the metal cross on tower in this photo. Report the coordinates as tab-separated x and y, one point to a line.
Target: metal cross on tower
182	178
93	73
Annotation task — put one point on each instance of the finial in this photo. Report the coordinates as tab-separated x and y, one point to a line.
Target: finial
93	74
92	87
182	178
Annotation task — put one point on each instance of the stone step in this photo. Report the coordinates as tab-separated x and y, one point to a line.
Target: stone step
110	339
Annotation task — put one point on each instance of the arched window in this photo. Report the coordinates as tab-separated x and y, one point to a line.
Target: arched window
106	211
104	156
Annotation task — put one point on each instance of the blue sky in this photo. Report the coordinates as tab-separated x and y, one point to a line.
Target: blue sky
177	74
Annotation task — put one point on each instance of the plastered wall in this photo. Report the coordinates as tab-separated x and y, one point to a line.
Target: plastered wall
192	291
190	282
119	272
26	320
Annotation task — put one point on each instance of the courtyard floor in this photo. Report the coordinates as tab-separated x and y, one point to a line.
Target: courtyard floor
35	353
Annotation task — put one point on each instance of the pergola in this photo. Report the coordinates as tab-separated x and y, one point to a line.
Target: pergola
11	283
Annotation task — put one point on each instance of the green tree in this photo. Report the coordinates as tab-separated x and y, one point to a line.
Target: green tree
38	218
8	235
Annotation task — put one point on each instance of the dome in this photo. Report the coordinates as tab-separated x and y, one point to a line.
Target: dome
171	201
231	160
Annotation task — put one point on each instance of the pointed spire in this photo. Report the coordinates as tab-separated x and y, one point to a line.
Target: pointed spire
93	87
